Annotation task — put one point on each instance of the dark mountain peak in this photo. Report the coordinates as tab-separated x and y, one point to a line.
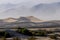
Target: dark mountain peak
29	19
34	19
23	19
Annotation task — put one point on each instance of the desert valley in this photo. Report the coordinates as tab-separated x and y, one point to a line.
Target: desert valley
29	28
29	19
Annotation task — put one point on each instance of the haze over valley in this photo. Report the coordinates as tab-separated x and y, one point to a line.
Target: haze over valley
29	19
44	11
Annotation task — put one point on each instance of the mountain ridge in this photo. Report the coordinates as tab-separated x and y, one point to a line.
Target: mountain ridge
22	19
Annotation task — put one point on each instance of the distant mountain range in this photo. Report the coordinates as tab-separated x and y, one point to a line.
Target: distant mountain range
46	11
47	8
22	19
29	21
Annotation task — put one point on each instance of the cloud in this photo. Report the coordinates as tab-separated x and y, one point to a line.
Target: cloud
10	1
16	12
36	1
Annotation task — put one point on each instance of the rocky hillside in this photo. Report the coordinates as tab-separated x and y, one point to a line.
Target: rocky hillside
30	21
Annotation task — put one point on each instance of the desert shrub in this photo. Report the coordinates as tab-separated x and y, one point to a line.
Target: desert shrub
4	34
24	31
7	35
53	36
32	38
1	33
40	33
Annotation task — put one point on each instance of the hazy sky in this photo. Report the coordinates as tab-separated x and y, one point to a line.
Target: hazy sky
3	15
36	1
